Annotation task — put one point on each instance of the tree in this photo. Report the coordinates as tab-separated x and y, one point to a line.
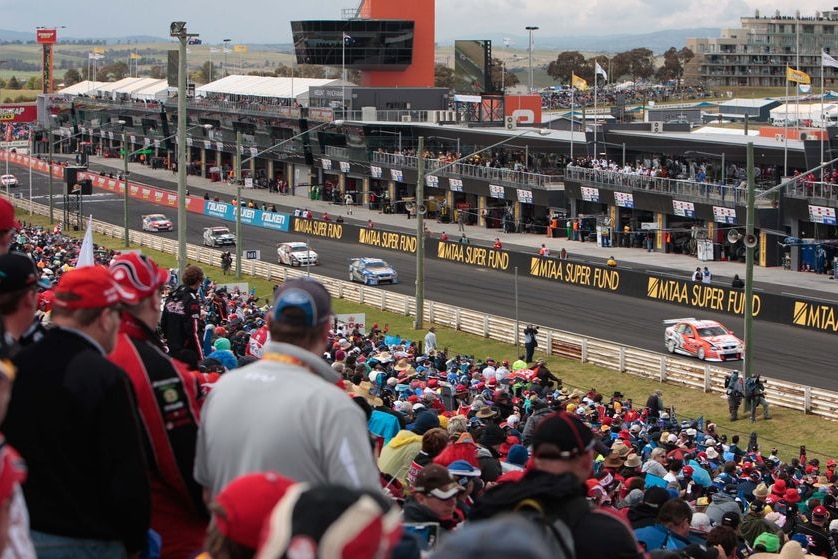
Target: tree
500	73
566	63
33	83
443	76
71	76
115	71
635	63
157	72
207	72
674	62
13	83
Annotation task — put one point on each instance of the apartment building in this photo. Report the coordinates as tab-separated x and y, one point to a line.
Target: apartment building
757	53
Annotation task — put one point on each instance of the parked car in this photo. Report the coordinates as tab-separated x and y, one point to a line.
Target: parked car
296	254
372	271
218	236
157	222
706	339
8	181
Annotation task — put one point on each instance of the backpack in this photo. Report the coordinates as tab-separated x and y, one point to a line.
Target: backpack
750	387
557	532
697	276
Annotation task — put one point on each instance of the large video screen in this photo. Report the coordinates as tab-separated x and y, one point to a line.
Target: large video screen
471	66
364	44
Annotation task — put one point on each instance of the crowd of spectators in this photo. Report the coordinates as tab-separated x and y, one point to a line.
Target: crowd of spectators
170	416
608	95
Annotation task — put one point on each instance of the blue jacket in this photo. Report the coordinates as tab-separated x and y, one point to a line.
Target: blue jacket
659	536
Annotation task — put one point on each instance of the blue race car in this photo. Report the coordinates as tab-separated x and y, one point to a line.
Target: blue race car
372	271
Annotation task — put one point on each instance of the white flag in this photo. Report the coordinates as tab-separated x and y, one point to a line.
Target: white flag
86	252
827	60
598	70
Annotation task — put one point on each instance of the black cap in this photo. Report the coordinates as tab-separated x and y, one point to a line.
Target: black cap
18	272
560	436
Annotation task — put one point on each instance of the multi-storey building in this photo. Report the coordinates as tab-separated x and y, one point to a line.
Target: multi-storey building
757	53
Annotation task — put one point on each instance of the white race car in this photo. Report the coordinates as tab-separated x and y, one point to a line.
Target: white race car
157	222
8	181
218	236
296	254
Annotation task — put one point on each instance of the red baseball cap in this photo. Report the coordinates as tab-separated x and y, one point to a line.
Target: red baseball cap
247	503
90	287
7	215
138	273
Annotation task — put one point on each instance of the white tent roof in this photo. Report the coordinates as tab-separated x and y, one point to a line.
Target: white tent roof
258	86
739	102
159	89
804	110
111	87
80	88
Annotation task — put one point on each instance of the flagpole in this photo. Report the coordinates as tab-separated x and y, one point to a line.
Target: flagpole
596	75
572	115
786	131
823	124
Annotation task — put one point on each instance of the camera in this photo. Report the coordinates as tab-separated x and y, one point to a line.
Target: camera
530	329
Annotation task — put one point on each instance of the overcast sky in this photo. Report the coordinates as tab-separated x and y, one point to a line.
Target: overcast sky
266	21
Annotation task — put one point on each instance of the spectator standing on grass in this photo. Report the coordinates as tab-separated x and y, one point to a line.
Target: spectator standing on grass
430	340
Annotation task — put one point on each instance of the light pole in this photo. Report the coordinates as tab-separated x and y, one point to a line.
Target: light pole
749	266
531	29
226	50
420	202
49	141
238	162
398	133
177	29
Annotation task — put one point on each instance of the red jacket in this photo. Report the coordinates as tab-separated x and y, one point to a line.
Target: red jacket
168	398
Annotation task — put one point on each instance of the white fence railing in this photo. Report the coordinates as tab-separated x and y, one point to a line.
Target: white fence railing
609	355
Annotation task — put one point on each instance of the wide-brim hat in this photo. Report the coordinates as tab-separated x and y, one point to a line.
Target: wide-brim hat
486	412
633	461
402	365
407	374
564	392
761	491
576	394
383	357
613	460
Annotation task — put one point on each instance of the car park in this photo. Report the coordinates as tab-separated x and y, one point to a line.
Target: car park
218	236
296	254
705	339
8	181
157	222
372	271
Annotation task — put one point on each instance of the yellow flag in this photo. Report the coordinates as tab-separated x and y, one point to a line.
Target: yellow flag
98	50
577	82
135	56
797	76
240	49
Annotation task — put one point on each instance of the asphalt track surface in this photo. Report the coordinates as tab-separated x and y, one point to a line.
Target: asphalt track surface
784	352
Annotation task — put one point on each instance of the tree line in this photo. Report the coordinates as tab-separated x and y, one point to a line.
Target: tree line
634	64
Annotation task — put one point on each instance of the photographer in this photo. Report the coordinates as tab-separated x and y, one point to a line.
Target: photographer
530	343
755	396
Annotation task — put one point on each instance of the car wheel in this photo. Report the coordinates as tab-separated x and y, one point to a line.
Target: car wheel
701	355
670	345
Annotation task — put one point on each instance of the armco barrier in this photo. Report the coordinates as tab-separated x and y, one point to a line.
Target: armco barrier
664	368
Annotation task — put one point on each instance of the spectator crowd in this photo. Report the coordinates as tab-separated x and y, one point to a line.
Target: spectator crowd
147	414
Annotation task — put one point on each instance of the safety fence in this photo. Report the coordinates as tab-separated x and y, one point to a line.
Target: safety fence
659	367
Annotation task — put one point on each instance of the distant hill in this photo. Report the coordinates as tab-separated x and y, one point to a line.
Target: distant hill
658	41
7	35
